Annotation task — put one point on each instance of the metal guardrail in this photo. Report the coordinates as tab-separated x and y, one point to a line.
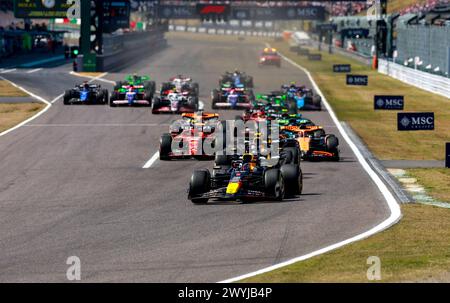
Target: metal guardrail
432	83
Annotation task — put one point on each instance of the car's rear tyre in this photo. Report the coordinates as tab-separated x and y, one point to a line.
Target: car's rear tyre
113	97
105	96
273	184
317	102
165	147
215	98
156	105
222	160
332	142
292	155
293	179
67	97
200	183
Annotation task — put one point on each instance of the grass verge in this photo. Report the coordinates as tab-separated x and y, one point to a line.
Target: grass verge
12	114
436	182
417	249
8	90
379	128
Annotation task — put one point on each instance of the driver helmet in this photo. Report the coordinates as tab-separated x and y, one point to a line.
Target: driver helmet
247	158
85	84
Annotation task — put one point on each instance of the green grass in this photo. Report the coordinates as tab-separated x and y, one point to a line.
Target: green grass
417	249
379	128
12	114
436	182
8	90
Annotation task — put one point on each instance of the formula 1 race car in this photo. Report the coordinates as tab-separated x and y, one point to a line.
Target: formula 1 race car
172	100
245	178
314	142
183	83
135	90
304	99
189	135
237	79
86	94
232	97
269	56
139	82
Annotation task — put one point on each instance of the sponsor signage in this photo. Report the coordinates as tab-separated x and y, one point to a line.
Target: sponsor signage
327	27
389	102
415	121
360	80
279	13
342	68
213	9
355	32
303	52
177	12
314	57
447	155
41	9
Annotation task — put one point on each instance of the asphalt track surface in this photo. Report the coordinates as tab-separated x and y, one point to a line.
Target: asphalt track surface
72	184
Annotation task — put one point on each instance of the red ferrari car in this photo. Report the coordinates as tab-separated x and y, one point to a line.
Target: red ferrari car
188	136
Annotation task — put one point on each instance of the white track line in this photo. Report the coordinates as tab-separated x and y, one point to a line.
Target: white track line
31	118
57	98
151	161
34	70
394	207
8	71
99	78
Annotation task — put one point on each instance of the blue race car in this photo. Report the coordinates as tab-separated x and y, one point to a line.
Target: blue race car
86	94
303	98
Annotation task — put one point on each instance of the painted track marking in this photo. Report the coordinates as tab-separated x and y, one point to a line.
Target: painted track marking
152	160
34	70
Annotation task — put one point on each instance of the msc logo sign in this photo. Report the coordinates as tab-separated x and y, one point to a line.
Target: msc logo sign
389	102
357	80
415	121
342	68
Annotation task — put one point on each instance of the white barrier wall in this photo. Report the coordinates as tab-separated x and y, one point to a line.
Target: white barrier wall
432	83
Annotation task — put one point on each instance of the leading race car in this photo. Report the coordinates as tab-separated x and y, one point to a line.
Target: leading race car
86	94
269	56
189	135
245	178
230	96
237	78
304	99
172	100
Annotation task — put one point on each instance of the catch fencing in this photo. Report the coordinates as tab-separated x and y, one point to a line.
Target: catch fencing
429	82
430	43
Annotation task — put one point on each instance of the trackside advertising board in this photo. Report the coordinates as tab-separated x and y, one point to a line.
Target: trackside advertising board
342	68
41	9
389	102
415	121
360	80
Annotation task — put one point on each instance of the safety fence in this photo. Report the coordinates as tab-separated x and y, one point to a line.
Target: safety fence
432	83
